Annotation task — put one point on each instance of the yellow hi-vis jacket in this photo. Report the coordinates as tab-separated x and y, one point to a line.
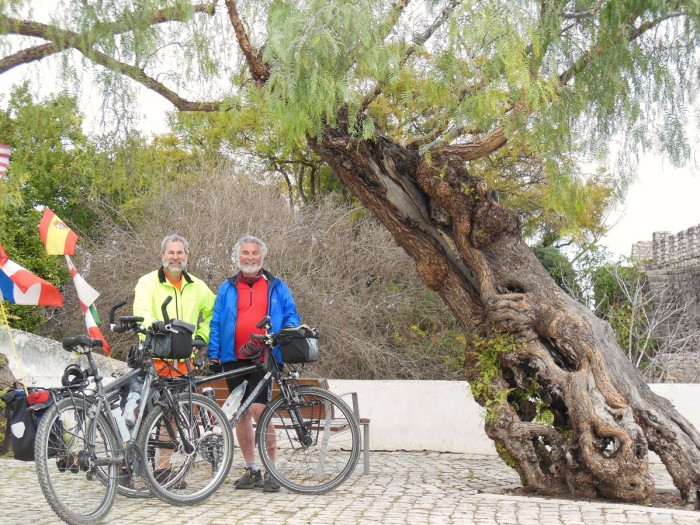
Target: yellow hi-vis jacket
192	303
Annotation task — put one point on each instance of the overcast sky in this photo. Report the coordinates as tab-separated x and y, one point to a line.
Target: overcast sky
662	199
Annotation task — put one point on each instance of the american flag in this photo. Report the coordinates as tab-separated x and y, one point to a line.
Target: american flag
4	159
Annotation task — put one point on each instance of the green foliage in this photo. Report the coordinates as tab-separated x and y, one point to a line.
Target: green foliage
487	353
51	163
559	267
311	47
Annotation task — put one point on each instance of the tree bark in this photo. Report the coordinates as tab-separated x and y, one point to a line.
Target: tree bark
565	406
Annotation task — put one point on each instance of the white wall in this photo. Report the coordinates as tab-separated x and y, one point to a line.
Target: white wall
405	415
443	416
420	415
38	361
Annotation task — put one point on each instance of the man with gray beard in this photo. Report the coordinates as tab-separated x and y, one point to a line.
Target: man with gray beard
192	300
241	302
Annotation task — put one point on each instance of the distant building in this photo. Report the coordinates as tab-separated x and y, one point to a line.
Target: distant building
672	264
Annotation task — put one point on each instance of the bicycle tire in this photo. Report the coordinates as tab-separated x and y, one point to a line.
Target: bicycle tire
332	447
78	490
202	469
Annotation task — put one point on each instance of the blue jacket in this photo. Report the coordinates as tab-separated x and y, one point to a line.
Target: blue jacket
280	308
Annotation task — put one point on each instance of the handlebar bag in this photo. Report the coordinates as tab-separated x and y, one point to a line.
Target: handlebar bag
175	342
298	345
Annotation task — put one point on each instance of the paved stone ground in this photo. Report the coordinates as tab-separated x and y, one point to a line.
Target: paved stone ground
402	488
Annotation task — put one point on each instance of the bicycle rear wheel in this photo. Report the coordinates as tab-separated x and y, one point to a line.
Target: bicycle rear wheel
79	483
319	454
193	450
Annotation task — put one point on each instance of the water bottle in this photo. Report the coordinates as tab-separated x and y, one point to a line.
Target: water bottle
132	402
121	424
233	401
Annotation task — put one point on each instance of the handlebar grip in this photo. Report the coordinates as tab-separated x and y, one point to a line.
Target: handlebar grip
164	309
130	319
114	309
258	336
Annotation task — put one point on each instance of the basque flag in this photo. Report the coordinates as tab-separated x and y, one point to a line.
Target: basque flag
20	286
58	238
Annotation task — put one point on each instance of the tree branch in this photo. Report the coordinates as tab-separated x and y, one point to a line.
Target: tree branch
61	39
28	55
258	69
473	150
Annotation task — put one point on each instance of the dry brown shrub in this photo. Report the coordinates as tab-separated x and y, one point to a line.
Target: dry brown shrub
348	277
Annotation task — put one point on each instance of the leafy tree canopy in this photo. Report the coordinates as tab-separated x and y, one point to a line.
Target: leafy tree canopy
470	74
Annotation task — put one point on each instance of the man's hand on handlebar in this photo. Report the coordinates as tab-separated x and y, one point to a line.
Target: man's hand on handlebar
215	368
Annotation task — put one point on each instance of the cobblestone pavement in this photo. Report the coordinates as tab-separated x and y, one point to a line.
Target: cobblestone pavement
402	488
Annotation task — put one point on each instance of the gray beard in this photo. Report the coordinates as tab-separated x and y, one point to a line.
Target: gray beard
182	268
250	270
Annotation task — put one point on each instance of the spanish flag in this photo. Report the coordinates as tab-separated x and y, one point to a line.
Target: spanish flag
58	238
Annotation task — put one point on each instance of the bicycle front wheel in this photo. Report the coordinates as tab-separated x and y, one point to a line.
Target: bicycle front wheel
77	475
191	449
311	443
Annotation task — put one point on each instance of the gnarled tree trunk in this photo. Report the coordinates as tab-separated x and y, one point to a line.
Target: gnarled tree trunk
565	406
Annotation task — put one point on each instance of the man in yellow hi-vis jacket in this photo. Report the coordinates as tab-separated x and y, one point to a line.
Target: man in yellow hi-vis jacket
192	300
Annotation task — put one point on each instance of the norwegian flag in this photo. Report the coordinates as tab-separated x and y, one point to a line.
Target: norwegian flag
4	159
20	286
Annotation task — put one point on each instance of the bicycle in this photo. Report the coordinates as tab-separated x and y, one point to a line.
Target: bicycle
83	457
311	444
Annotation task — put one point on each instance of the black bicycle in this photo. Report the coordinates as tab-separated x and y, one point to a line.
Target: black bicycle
308	438
180	445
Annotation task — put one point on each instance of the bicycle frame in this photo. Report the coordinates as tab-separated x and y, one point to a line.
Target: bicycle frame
98	401
272	371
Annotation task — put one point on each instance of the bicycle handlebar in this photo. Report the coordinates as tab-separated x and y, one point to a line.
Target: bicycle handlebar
164	310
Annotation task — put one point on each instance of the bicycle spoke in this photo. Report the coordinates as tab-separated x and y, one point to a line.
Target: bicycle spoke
192	459
316	455
77	478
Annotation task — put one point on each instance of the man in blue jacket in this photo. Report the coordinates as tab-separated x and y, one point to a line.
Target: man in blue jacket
241	302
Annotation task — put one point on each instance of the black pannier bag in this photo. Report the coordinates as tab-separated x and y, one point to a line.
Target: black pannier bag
174	342
298	345
22	416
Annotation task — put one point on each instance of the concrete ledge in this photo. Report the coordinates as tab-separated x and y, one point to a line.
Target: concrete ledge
40	362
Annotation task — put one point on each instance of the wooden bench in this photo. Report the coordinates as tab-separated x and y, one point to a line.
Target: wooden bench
221	392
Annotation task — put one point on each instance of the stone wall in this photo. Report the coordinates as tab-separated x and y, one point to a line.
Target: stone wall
672	263
670	252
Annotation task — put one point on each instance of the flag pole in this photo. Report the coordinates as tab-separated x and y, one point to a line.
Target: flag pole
14	348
